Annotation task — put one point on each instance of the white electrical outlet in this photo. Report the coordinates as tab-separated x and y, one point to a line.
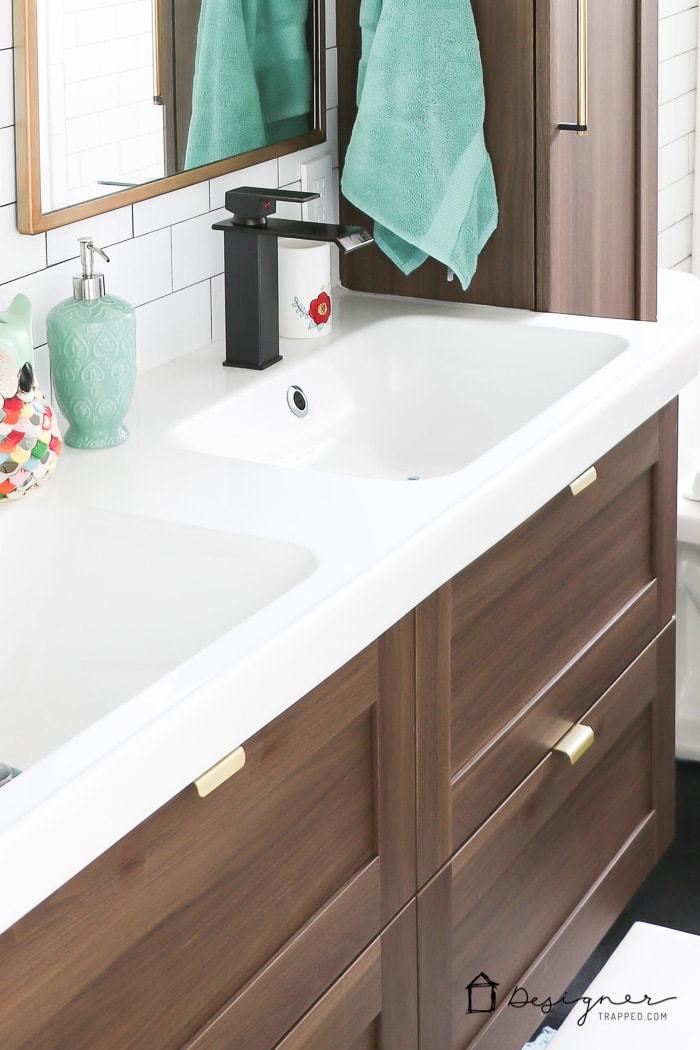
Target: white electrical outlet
317	177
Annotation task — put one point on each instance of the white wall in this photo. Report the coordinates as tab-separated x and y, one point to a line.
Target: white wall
678	41
165	258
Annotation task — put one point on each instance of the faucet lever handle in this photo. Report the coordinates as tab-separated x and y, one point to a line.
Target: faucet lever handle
251	205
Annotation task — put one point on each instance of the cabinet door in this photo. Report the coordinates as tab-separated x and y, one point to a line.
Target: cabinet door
373	1006
596	192
505	275
528	897
254	898
515	648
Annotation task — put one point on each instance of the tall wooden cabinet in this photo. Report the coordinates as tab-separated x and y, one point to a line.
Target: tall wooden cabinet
577	227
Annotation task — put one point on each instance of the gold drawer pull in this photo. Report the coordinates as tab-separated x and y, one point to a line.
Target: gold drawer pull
583	481
575	743
220	773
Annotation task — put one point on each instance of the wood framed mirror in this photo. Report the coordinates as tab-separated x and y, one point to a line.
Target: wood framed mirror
116	106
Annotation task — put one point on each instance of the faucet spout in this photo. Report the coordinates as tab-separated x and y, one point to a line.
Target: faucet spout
250	268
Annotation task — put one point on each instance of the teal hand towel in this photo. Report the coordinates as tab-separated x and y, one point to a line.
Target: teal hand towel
226	113
417	161
283	67
252	82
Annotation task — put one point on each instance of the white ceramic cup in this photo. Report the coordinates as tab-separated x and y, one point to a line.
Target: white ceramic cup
304	289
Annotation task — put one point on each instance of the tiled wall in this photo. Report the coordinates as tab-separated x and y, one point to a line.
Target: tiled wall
168	261
678	42
165	258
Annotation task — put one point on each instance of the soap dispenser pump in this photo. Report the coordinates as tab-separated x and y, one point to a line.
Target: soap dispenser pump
92	349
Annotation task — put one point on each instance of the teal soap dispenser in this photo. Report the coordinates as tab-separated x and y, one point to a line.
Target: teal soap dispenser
92	349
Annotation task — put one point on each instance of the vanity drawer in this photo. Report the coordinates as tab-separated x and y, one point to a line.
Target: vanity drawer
373	1005
275	882
515	648
571	840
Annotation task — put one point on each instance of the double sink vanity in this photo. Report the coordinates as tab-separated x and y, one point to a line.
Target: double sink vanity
366	575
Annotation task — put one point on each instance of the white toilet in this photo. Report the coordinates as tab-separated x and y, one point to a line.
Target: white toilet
679	303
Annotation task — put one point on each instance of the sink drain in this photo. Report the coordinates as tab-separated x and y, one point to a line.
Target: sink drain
298	401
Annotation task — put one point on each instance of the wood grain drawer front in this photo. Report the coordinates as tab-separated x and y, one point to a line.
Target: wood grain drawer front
505	894
280	867
524	640
372	1006
591	555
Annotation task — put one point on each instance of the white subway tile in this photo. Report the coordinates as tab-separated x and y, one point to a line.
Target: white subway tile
218	308
21	253
691	151
683	198
42	369
140	268
170	208
264	174
683	266
687	30
109	228
666	214
170	327
44	289
5	24
675	243
685	113
7	90
668	115
198	251
8	190
667	38
677	75
672	7
674	162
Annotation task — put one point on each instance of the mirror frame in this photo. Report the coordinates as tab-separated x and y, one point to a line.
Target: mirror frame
30	217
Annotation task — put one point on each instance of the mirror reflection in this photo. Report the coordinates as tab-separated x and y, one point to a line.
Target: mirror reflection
132	91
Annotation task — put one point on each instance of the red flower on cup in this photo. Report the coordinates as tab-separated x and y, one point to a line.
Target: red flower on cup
320	309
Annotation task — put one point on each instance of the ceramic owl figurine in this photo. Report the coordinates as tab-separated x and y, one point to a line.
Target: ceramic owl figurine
30	440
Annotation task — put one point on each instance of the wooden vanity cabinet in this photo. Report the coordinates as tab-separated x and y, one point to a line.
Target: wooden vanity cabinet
525	858
246	904
408	826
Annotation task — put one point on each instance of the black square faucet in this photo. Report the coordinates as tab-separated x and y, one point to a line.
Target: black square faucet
250	268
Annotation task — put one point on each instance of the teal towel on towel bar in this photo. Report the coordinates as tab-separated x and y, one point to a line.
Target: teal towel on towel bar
417	161
226	115
252	80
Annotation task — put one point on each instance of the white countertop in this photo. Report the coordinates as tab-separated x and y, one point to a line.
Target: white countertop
371	550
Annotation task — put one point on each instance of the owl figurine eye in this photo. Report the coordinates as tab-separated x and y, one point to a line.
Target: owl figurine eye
30	439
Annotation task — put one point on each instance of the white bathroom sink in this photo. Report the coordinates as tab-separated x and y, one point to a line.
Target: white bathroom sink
418	396
99	605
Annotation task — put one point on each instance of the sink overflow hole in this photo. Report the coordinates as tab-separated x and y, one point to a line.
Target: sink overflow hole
297	401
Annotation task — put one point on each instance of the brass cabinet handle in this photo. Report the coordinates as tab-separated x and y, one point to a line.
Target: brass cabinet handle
575	743
220	773
583	481
581	125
